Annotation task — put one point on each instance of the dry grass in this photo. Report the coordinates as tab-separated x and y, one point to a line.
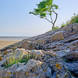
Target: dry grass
4	43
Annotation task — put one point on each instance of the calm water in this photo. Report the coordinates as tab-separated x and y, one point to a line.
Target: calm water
12	38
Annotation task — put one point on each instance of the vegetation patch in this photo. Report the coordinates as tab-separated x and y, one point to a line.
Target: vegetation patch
16	61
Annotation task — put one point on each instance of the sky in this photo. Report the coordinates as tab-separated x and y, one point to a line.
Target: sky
15	19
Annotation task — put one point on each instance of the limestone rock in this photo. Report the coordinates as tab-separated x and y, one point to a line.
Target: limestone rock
37	53
58	36
32	63
71	28
71	56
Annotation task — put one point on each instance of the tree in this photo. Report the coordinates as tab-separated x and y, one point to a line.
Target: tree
45	9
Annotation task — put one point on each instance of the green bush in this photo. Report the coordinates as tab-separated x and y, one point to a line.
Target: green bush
74	19
55	28
63	25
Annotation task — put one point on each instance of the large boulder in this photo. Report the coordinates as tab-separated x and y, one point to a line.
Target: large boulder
71	57
74	43
37	53
71	62
71	28
35	69
58	36
73	68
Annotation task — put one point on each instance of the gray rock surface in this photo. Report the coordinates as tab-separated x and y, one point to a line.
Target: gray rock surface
50	55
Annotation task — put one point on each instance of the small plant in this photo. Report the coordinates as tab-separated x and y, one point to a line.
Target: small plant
55	28
12	60
74	19
63	25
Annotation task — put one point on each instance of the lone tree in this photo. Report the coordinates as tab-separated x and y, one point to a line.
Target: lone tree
46	9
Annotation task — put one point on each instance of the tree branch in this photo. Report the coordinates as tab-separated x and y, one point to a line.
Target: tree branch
51	18
48	20
55	17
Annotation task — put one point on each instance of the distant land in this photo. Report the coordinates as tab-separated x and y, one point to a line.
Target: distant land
13	38
9	40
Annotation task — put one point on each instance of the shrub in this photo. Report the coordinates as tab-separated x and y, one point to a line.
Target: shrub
12	60
63	25
74	19
55	28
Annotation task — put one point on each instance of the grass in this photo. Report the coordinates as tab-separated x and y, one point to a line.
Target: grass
21	60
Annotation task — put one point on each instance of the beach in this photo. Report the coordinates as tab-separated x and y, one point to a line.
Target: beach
5	41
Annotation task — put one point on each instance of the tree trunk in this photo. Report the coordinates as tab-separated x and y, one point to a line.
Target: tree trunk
53	25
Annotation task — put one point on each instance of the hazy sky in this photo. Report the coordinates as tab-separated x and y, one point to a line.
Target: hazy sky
15	19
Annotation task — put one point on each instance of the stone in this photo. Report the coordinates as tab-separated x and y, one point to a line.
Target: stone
72	67
51	53
75	27
58	36
13	57
32	64
71	56
71	28
37	53
74	43
35	69
20	75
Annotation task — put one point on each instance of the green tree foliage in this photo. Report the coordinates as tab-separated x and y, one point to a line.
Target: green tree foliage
45	9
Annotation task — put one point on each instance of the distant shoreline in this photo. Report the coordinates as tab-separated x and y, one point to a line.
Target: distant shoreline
12	38
9	40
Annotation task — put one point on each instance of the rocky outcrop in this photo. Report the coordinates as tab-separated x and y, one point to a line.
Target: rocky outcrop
58	36
50	55
44	64
71	28
71	63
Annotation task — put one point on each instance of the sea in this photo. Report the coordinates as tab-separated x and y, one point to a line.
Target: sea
12	38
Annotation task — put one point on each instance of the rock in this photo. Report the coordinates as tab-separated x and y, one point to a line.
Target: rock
32	63
75	27
71	28
14	57
58	36
20	75
51	53
71	57
37	53
57	68
35	69
54	54
72	67
74	43
71	63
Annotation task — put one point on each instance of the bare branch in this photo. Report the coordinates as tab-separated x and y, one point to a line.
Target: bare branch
48	20
55	17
